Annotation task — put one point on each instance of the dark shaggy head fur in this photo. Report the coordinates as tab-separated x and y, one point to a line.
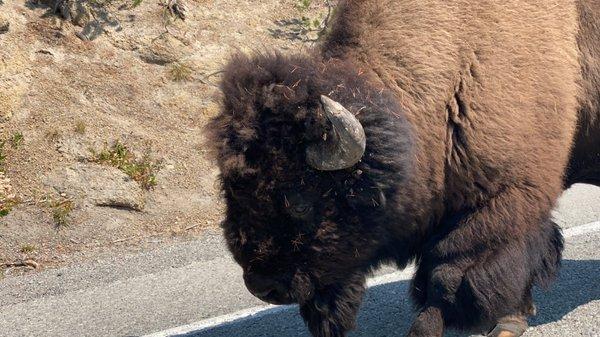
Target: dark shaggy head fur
286	220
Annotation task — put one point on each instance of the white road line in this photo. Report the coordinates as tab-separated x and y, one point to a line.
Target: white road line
260	311
257	312
240	316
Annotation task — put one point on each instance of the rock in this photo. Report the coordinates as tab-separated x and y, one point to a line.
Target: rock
4	26
177	8
76	11
97	185
91	16
6	191
164	50
11	98
74	148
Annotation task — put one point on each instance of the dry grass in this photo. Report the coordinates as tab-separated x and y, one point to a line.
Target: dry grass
80	127
143	170
8	199
61	212
7	205
27	248
180	72
2	155
17	140
53	136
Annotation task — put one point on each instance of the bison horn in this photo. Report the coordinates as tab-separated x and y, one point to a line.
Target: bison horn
347	144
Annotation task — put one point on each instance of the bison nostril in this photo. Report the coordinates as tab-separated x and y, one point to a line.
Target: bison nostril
266	288
264	294
258	284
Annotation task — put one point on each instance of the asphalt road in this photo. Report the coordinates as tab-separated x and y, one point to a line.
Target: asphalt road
181	284
571	308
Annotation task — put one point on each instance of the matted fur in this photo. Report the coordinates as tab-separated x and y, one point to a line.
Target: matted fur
470	113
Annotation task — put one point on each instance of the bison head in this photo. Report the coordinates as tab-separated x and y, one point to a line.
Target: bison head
312	159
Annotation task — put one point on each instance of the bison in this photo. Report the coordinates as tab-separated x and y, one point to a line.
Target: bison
433	132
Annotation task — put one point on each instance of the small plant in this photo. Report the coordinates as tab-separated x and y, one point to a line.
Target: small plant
8	199
27	248
7	206
2	155
16	140
61	212
304	5
143	170
312	24
80	127
180	72
307	22
53	135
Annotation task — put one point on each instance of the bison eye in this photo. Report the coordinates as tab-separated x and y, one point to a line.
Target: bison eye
296	206
301	209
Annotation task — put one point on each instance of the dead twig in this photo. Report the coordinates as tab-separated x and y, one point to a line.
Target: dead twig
123	239
322	29
325	22
214	73
204	78
24	263
191	227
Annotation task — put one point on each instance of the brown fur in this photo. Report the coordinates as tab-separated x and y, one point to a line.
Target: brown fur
478	82
470	109
585	157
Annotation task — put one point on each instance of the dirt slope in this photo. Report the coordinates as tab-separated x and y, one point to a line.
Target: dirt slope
134	77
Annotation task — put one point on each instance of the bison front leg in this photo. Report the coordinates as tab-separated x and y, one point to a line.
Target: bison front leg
429	323
478	274
332	311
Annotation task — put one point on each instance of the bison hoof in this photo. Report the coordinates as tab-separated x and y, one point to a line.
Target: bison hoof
509	326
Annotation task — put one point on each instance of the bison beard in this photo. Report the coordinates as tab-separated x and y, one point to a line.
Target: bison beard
464	158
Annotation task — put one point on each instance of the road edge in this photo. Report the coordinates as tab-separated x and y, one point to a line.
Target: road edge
260	311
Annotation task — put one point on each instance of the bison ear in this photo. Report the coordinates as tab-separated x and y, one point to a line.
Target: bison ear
346	144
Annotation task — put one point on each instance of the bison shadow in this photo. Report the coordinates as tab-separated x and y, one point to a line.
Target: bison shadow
387	310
